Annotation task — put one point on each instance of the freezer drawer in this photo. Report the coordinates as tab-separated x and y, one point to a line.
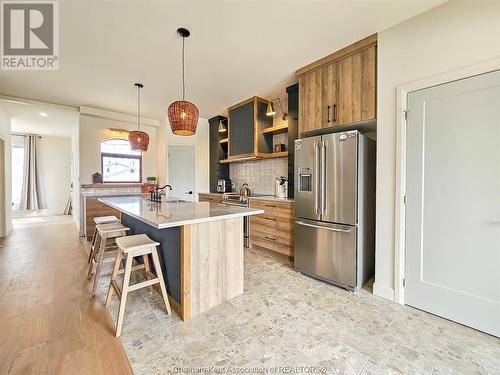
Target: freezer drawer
327	251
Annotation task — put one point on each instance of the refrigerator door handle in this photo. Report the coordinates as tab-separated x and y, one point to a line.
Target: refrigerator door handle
317	188
334	228
323	177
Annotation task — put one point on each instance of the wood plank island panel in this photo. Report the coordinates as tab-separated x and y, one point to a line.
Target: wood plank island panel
216	263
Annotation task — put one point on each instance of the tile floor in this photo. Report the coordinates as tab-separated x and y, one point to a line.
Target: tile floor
288	319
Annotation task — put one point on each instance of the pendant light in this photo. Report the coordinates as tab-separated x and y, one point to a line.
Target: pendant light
183	115
138	140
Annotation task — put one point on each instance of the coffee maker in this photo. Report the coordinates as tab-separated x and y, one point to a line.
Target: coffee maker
224	185
281	187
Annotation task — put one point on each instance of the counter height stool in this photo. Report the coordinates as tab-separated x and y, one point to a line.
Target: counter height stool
135	246
103	250
99	220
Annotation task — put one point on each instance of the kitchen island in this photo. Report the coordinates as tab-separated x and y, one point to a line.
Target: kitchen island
201	247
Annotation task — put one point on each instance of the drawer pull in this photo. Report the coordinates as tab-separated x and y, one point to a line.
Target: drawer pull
270	238
270	218
270	205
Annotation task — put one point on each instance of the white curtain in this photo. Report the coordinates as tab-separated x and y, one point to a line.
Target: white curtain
32	195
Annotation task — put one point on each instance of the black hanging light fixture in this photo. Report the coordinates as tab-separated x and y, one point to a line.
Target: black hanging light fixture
183	115
138	140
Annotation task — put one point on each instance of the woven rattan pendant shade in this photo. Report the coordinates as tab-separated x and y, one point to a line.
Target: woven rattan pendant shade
183	115
138	139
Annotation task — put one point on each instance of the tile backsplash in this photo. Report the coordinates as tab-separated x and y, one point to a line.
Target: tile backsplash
260	175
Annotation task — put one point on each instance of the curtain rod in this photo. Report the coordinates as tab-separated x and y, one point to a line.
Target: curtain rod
26	134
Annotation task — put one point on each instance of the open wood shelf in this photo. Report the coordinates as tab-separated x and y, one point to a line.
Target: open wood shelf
260	155
278	129
236	160
263	155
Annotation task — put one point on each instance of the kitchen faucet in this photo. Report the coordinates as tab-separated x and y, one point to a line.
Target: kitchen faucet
155	195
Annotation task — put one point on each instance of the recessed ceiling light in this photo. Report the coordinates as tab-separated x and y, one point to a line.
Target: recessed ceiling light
43	114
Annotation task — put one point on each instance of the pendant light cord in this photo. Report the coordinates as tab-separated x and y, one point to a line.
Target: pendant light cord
138	108
183	81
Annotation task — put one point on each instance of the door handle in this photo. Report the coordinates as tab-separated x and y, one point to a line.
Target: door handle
323	177
189	192
328	115
335	113
317	182
270	238
333	229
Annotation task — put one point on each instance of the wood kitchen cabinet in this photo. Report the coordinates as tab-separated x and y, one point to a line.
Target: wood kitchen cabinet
245	125
339	89
356	85
210	197
93	208
273	230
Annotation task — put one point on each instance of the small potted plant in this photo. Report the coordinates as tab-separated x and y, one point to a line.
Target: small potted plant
150	184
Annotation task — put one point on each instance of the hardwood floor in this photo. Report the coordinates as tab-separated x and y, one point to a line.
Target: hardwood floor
49	324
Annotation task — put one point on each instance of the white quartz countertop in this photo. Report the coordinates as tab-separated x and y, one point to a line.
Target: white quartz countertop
174	214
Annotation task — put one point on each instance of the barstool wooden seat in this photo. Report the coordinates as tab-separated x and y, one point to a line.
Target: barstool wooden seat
135	246
99	220
103	250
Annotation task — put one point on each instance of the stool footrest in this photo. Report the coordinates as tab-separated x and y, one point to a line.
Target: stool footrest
143	284
134	268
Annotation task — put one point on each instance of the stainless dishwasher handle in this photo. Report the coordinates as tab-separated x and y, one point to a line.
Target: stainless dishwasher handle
334	229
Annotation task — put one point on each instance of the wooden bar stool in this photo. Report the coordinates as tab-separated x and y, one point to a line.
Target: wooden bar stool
100	220
135	246
103	249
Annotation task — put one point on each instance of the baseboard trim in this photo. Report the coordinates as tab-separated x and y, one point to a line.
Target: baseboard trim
383	291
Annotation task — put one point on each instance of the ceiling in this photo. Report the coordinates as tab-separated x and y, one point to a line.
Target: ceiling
237	49
27	118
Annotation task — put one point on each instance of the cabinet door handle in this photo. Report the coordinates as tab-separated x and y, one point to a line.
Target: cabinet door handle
335	113
270	238
270	218
328	115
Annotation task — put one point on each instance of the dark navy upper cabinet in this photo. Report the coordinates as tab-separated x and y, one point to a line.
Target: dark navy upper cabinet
246	121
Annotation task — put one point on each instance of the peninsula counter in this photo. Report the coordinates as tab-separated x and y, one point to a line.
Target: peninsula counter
201	247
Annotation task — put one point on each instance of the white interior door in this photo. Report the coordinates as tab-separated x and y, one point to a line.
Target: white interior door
181	171
453	201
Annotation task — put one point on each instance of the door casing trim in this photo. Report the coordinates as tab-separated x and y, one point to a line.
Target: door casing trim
402	92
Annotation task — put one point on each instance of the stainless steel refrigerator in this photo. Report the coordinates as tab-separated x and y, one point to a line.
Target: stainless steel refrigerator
335	208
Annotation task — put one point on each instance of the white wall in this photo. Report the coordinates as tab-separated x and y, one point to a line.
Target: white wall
454	35
200	141
5	172
93	130
55	164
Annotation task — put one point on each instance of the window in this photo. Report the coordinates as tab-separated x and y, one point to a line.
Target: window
119	163
17	169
